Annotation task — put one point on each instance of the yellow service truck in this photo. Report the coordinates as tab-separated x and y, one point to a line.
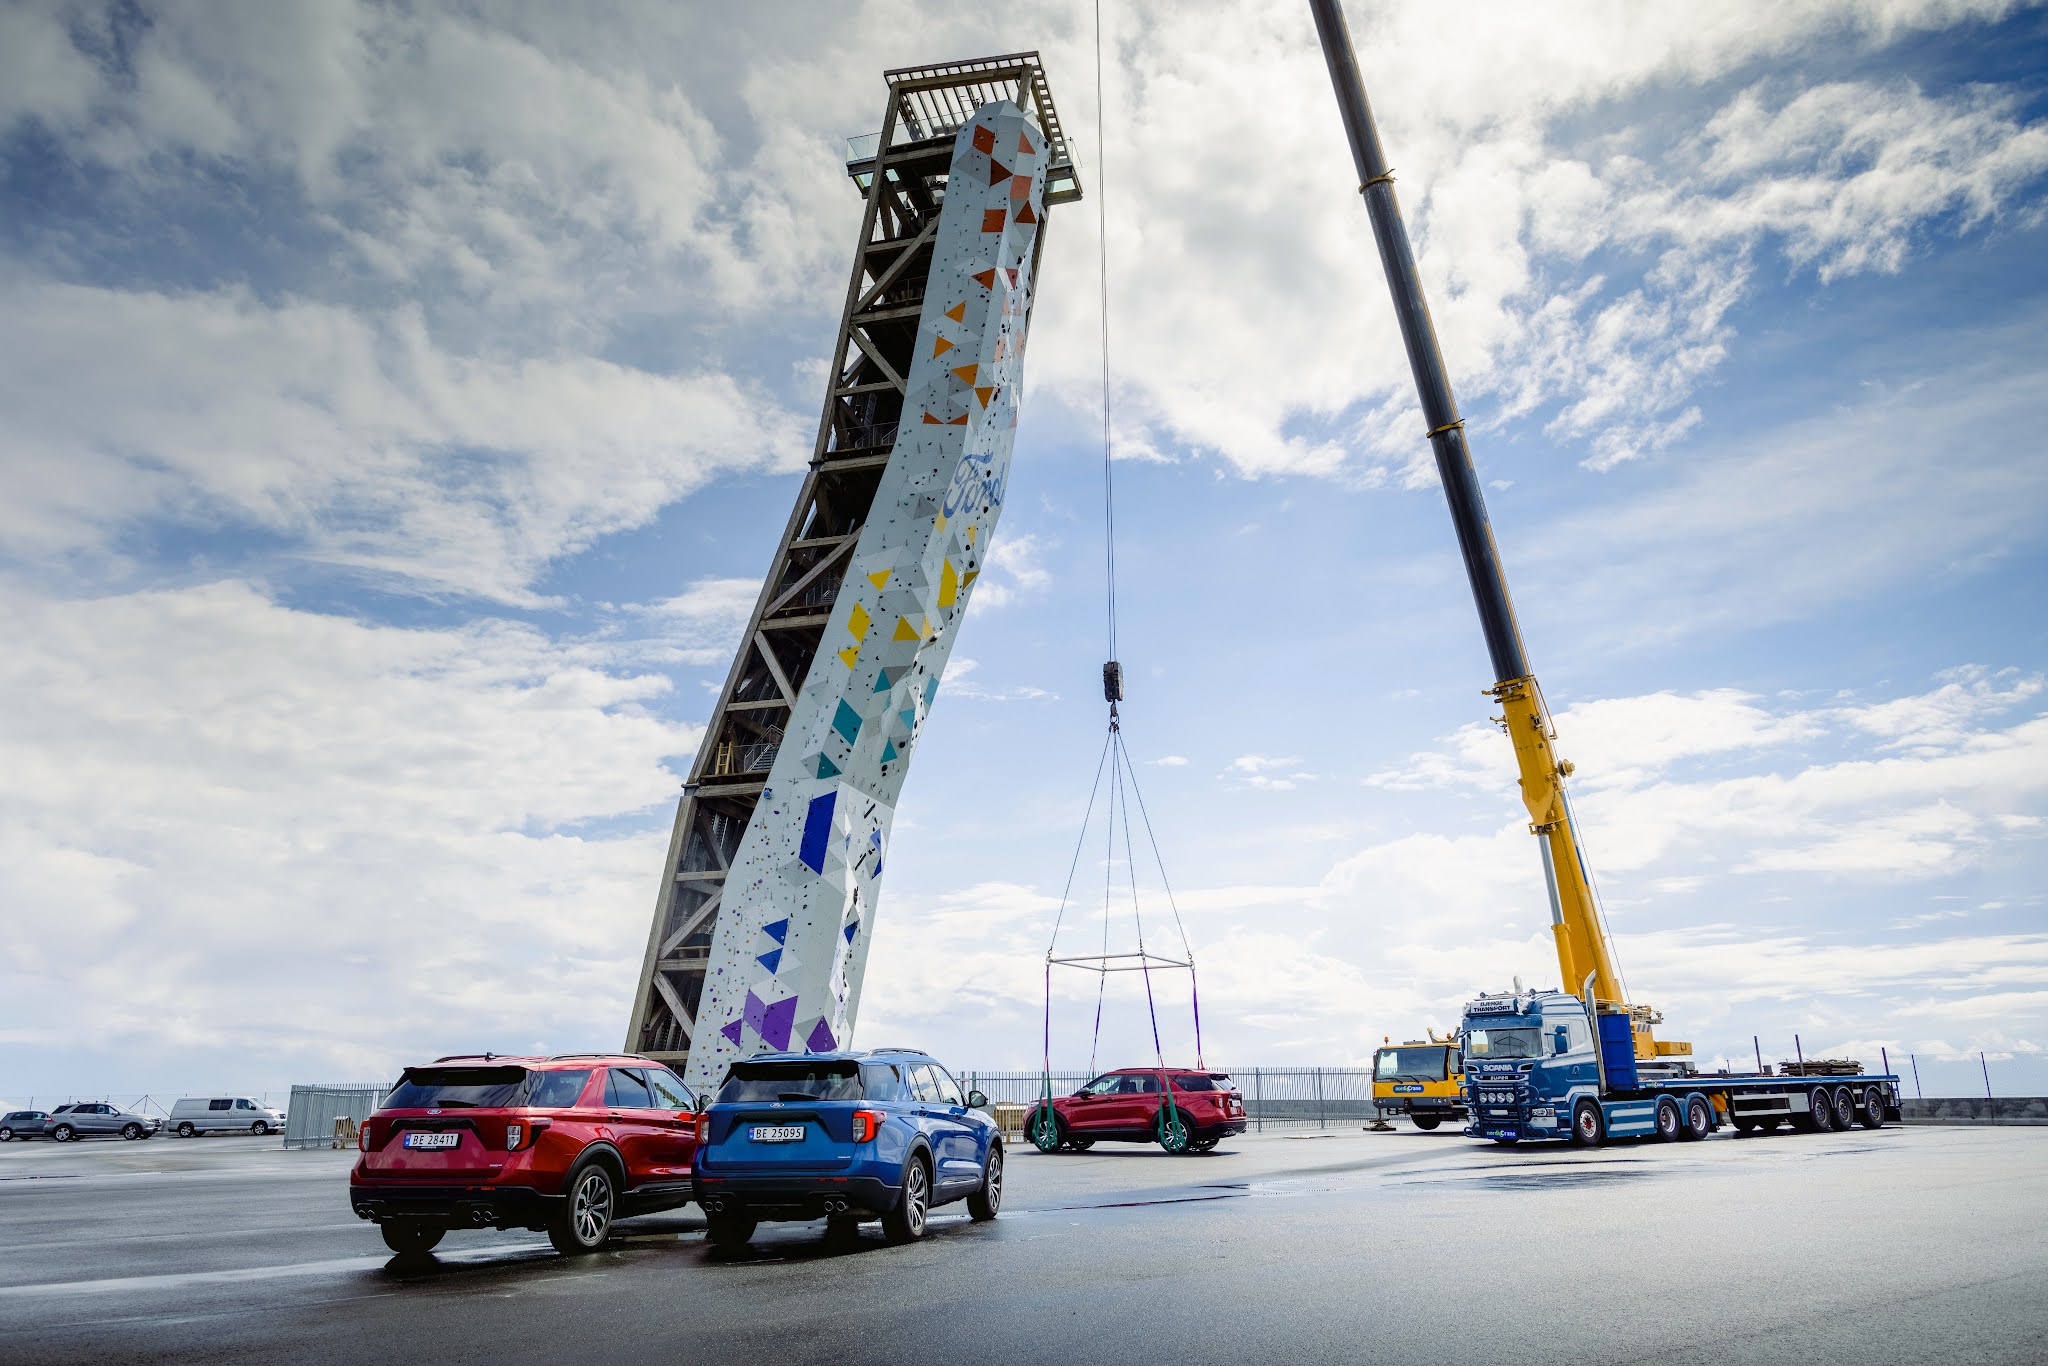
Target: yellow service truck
1422	1079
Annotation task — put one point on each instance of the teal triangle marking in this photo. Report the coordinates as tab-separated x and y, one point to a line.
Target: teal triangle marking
826	768
882	683
847	722
778	931
889	752
770	960
909	715
931	690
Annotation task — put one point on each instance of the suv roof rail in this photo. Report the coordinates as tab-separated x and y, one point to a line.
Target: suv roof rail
630	1057
458	1057
921	1052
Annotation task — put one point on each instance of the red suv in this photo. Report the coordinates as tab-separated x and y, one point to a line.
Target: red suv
566	1144
1128	1106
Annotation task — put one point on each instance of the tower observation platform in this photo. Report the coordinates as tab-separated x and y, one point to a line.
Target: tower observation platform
766	905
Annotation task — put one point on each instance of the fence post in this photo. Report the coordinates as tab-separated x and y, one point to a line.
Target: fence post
1322	1114
1259	1098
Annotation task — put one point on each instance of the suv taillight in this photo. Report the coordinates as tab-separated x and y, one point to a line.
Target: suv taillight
363	1135
523	1134
703	1127
866	1124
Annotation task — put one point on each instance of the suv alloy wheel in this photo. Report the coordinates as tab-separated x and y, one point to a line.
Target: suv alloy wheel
64	1133
905	1223
988	1201
586	1215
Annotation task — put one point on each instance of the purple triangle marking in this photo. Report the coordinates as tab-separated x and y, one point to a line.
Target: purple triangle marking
756	1008
732	1031
777	1021
821	1040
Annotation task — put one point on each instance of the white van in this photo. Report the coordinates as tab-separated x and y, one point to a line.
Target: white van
223	1114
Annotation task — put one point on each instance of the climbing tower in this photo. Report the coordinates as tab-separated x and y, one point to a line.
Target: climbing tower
767	901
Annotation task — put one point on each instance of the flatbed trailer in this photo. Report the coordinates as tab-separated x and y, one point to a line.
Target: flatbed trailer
1535	1071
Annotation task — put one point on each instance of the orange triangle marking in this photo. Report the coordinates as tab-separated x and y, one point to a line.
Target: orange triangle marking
960	421
942	348
966	372
984	139
958	312
998	173
932	421
983	393
1020	187
985	278
1024	143
1024	215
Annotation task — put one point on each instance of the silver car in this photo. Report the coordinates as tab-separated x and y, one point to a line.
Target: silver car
94	1119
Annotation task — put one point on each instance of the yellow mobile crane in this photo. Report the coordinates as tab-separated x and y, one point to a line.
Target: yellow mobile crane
1582	948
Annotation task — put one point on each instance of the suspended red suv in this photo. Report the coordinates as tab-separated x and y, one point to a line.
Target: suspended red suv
1179	1108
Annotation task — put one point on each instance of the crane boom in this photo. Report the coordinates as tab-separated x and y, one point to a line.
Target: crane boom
1583	951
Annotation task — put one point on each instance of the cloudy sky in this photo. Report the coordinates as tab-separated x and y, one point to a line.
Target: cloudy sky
399	404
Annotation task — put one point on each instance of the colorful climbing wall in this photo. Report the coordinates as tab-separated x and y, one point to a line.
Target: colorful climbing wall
792	940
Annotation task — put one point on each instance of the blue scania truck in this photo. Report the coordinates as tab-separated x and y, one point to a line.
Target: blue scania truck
1536	1071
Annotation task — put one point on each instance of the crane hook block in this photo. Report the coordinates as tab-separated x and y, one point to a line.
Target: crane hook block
1113	681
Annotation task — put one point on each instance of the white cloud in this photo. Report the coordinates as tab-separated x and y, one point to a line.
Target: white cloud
267	833
1015	569
359	441
1267	772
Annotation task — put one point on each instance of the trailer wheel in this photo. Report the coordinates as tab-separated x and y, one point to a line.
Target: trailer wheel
1766	1124
1820	1112
1845	1109
1743	1125
1668	1123
1426	1122
1699	1119
1873	1108
1588	1129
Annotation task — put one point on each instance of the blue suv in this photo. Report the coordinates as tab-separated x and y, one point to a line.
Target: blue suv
843	1137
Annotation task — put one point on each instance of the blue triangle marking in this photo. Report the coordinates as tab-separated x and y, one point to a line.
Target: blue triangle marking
771	959
779	931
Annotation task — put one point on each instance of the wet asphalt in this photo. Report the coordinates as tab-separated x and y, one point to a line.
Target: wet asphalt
1893	1245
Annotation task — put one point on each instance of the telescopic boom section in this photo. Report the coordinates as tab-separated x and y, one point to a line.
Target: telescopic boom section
1582	949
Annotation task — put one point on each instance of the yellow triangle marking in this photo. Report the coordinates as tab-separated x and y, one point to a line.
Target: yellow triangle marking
858	622
984	392
905	631
958	312
940	523
848	655
969	577
942	348
966	372
970	535
949	584
880	580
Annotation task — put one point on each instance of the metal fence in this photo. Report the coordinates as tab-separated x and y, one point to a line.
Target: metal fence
1274	1097
309	1123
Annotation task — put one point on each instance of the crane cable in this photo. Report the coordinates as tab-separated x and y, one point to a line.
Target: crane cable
1114	755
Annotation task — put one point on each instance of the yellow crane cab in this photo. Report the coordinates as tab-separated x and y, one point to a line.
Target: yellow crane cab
1423	1079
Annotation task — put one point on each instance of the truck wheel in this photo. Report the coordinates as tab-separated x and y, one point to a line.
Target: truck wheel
1744	1127
1766	1124
1426	1122
186	1130
1588	1129
411	1237
1668	1122
586	1216
1820	1112
1699	1119
1873	1108
1845	1109
905	1223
